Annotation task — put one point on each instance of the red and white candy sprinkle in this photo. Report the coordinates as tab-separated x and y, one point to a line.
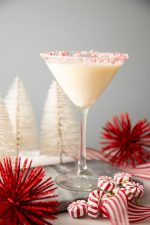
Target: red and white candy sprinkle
94	202
77	209
122	178
106	183
135	188
85	57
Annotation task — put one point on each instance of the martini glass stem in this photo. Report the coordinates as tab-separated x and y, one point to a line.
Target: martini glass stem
82	166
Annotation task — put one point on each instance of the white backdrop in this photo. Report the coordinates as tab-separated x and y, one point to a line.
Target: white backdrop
28	27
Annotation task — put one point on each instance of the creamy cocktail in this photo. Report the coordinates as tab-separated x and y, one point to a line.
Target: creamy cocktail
83	76
83	83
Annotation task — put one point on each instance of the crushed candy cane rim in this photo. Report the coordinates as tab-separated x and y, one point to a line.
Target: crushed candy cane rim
85	57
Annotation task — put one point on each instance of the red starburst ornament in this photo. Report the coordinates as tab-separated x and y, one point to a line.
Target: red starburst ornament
25	198
123	143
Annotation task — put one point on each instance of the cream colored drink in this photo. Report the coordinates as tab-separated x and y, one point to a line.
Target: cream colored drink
83	83
83	75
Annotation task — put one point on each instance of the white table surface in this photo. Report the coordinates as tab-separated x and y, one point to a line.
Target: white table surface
65	219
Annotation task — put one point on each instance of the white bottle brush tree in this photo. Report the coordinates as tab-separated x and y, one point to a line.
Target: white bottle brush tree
60	126
7	141
22	118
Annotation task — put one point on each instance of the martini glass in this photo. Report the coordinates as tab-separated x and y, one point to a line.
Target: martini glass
83	76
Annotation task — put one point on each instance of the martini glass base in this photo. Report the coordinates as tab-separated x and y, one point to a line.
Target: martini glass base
84	182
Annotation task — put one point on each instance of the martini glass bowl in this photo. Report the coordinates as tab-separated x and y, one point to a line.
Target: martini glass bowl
83	76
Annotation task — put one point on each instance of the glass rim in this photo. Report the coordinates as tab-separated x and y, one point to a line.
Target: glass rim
85	57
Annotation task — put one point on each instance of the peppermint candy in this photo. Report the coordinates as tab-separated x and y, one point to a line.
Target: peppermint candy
110	200
131	189
106	183
77	209
122	178
135	188
130	195
105	198
96	194
94	202
116	189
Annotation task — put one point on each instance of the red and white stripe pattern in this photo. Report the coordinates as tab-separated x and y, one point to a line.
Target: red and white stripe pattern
96	194
137	213
106	183
77	209
105	198
93	154
121	178
94	203
93	207
116	209
116	189
135	188
142	171
129	194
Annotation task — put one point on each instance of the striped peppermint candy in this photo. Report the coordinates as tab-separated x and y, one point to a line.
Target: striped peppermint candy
122	178
116	189
135	188
94	203
96	194
93	207
105	198
77	209
106	183
129	194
